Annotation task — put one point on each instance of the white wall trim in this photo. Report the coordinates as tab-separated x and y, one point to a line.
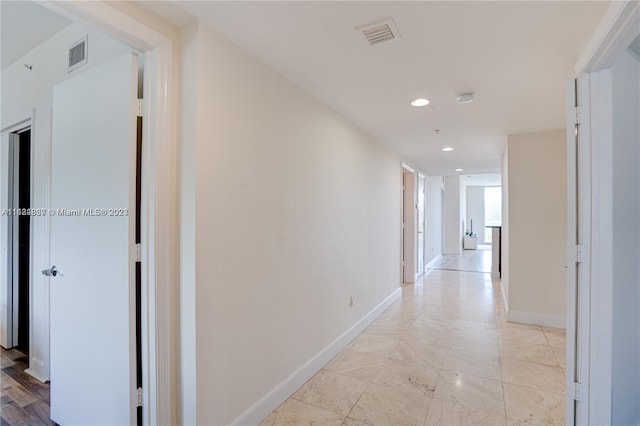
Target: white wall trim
21	125
617	29
407	167
265	405
504	298
433	262
533	318
33	373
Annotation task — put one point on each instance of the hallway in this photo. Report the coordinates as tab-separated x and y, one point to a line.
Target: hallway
442	354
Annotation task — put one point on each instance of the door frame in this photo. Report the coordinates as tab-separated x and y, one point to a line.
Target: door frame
421	177
8	339
408	222
159	41
579	209
618	28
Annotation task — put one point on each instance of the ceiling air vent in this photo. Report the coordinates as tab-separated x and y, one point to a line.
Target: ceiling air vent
78	54
380	31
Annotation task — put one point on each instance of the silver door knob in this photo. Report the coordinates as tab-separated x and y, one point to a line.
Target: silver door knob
51	272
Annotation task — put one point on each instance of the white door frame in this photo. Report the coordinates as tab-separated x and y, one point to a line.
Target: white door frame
408	257
421	177
618	28
160	42
578	260
7	338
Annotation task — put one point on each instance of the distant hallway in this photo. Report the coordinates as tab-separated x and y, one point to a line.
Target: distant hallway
468	261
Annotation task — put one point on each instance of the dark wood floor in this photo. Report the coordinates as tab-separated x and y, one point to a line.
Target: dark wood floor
24	400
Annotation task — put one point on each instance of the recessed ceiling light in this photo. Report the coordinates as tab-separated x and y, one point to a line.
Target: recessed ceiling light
465	98
420	102
458	170
447	149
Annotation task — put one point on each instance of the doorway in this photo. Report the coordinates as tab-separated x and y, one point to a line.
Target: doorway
78	138
17	230
409	260
23	203
421	238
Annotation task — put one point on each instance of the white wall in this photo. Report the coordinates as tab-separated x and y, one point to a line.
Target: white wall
433	208
475	211
24	93
537	228
453	219
295	210
625	380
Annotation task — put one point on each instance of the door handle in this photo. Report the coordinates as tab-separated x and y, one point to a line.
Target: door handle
51	272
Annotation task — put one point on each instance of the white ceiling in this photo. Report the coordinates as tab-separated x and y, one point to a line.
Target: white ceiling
482	180
168	11
516	57
25	25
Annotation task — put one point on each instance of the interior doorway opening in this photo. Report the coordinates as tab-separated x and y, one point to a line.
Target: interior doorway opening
18	237
409	259
492	211
23	204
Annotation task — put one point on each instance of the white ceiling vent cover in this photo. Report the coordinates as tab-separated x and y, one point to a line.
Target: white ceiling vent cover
78	54
380	31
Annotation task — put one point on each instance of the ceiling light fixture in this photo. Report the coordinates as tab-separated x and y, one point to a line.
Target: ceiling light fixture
420	102
465	98
458	170
447	149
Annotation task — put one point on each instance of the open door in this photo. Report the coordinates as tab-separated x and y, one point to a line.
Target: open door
92	276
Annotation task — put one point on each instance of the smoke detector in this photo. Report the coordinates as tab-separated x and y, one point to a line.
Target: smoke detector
380	31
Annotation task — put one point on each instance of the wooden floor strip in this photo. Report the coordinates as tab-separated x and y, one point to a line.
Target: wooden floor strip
23	399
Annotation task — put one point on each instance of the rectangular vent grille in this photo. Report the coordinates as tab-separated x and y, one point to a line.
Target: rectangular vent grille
380	31
378	34
77	55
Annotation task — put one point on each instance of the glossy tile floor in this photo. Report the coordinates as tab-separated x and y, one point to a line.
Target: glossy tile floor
442	355
24	400
469	260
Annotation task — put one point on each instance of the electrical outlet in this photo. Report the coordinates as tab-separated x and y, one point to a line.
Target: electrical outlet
351	301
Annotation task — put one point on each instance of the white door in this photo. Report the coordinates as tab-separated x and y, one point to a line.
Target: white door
93	293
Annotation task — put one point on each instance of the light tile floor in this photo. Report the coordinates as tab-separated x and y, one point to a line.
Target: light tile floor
469	260
441	355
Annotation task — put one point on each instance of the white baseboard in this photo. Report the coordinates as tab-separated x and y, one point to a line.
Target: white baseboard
433	262
504	298
36	368
536	319
276	396
36	376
